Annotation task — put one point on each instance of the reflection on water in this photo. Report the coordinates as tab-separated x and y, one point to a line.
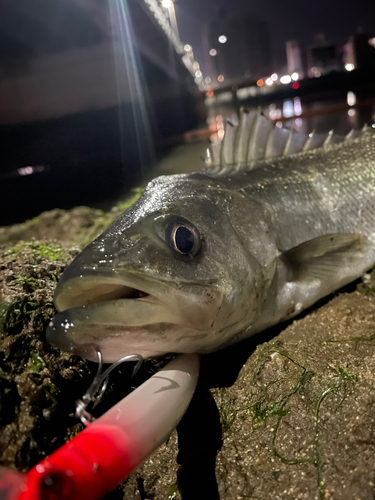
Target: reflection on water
305	117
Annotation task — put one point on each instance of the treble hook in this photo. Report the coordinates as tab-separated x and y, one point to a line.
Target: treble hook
100	382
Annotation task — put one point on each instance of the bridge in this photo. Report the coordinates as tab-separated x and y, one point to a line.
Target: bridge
64	57
89	92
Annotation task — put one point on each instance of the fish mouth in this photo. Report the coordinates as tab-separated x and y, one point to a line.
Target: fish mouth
123	315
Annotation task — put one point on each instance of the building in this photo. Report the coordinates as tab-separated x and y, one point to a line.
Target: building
359	52
294	58
323	56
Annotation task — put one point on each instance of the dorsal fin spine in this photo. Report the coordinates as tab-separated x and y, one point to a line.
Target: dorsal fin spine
288	142
269	143
308	142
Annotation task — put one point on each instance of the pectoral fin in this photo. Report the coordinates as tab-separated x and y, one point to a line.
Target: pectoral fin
330	261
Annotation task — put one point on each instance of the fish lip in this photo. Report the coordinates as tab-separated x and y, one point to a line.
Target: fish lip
80	283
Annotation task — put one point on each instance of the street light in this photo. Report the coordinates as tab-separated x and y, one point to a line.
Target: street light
168	4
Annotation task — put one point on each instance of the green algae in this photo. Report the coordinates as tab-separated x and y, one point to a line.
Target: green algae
173	491
50	252
228	412
28	284
12	314
37	362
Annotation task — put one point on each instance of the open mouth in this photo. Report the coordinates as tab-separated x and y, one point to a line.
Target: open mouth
85	292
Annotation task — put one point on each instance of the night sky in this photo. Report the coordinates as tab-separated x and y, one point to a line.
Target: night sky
287	19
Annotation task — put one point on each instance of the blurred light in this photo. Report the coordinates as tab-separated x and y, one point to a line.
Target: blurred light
349	67
222	39
209	93
351	112
279	124
198	74
260	82
213	52
269	81
220	78
316	72
288	109
219	118
351	98
285	79
225	97
298	122
295	76
25	170
274	113
297	106
220	134
372	42
207	79
187	48
274	77
195	65
295	85
167	3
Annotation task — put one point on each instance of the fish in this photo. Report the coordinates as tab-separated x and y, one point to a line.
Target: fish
274	222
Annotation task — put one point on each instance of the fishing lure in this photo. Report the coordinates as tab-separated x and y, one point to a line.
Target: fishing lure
95	461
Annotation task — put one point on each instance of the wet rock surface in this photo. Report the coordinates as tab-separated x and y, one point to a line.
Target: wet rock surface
287	415
38	384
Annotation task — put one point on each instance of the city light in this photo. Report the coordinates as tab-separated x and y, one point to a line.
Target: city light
285	79
213	52
274	77
222	39
167	4
351	112
349	67
198	74
297	106
316	72
269	81
295	76
372	41
209	93
295	85
260	82
220	78
288	109
187	48
207	79
351	98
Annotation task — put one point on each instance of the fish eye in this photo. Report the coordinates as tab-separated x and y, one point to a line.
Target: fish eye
183	237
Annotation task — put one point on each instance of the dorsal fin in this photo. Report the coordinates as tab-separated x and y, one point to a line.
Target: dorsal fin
256	138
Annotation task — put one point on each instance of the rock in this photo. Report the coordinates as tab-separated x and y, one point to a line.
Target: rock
38	384
78	226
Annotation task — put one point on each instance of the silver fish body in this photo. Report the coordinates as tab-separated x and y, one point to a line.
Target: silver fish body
264	238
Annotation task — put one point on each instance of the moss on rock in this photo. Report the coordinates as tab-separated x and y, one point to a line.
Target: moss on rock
38	384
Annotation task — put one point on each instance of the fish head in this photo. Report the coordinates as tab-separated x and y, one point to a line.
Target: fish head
169	275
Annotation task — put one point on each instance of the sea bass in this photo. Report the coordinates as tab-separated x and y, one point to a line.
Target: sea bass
276	221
